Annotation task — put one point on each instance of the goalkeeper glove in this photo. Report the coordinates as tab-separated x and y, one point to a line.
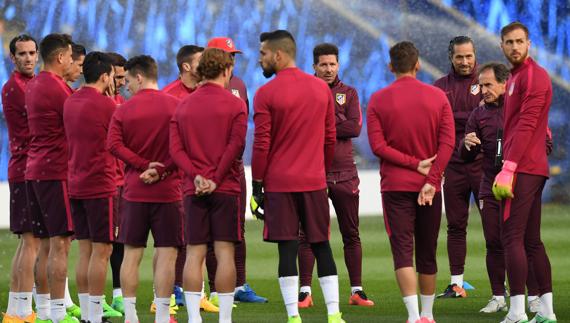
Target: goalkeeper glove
503	185
256	201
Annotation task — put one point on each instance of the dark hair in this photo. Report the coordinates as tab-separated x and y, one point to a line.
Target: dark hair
213	62
514	26
324	49
118	59
144	65
53	44
403	57
21	38
280	40
77	50
185	54
459	40
95	65
501	71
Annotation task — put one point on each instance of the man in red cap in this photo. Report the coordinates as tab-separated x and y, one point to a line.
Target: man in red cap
243	292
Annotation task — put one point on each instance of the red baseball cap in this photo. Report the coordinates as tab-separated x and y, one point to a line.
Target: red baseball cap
223	43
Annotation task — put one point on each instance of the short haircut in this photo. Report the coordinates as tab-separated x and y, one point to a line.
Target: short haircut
459	40
53	44
213	62
403	57
21	38
118	59
280	40
514	26
324	49
501	71
185	54
77	50
144	65
95	65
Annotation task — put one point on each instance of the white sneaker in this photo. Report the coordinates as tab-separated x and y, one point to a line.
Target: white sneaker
495	305
522	318
534	305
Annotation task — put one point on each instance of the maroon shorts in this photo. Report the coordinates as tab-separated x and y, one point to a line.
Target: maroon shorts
117	217
285	211
93	218
164	220
20	221
212	217
405	222
49	208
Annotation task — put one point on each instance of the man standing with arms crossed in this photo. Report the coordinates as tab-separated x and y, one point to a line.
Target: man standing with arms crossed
413	135
24	55
462	179
342	179
524	173
293	146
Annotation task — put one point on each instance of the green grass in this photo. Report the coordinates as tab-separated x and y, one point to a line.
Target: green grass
378	276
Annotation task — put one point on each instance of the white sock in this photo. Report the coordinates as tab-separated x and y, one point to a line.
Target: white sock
131	309
84	305
68	300
25	304
193	306
43	306
13	302
95	309
226	305
517	306
35	294
500	298
546	305
213	294
427	305
239	288
411	303
58	311
288	286
162	309
117	292
531	298
306	289
457	280
355	289
329	286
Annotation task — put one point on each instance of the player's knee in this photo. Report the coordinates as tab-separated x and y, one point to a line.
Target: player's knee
325	260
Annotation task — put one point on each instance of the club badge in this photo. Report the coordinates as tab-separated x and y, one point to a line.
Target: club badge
340	98
236	93
229	43
475	89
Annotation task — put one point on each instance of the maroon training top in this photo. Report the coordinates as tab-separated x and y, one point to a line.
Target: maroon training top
86	117
178	89
464	95
138	135
294	132
348	117
47	156
207	137
527	102
404	129
14	108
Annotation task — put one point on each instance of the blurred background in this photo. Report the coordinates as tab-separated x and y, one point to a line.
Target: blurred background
364	30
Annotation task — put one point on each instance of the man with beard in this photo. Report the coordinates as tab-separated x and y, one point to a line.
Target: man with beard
187	60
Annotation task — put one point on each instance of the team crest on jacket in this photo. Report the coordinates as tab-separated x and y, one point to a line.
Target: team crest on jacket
340	98
475	89
511	88
236	92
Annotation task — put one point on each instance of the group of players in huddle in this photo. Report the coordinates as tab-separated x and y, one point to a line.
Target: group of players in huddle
91	165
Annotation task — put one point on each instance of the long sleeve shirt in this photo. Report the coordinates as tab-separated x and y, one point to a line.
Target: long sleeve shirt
92	169
294	132
207	137
14	108
138	135
404	129
527	102
47	156
464	95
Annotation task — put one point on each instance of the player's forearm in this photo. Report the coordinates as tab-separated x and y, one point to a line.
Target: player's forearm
348	129
435	174
259	164
233	151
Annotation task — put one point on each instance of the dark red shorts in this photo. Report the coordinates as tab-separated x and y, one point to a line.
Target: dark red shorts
20	221
117	217
164	220
93	219
49	208
407	222
212	217
286	213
